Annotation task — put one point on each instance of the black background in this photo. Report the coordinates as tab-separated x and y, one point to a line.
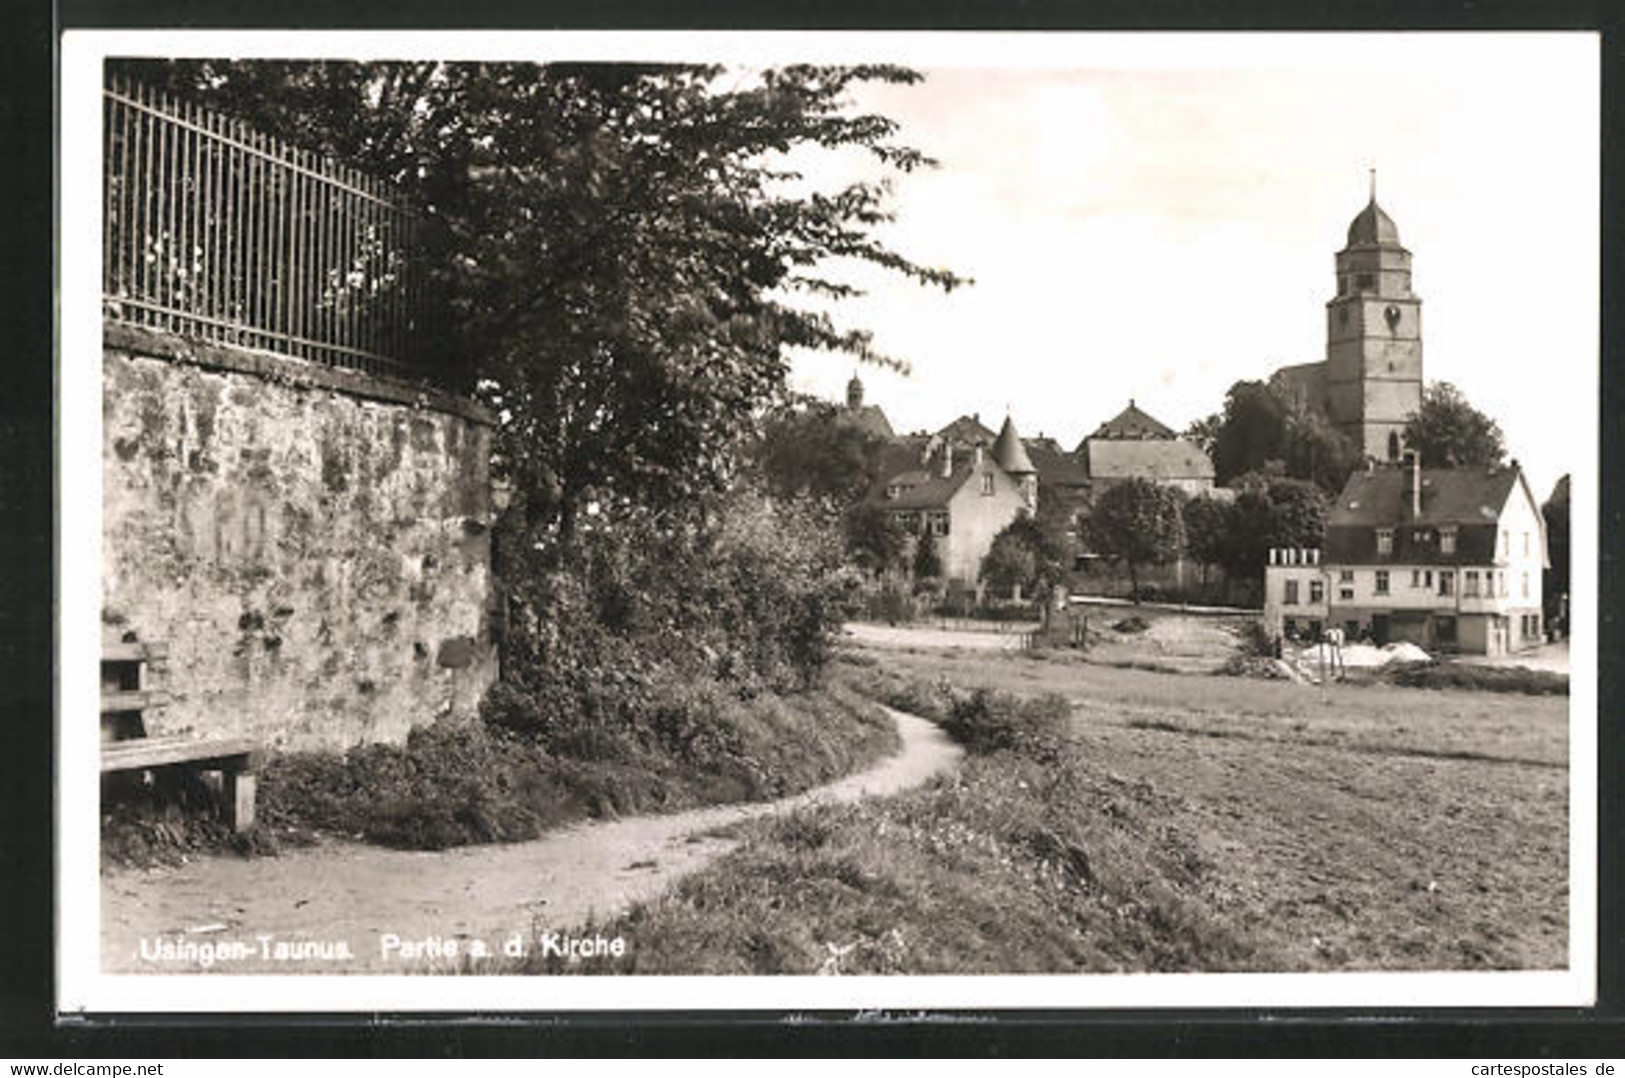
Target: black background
28	1025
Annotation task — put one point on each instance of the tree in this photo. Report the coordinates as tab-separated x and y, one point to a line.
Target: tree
616	246
1023	555
1209	531
1204	432
1449	432
1272	511
1555	587
874	540
1137	522
927	562
1251	431
805	451
1258	428
1315	450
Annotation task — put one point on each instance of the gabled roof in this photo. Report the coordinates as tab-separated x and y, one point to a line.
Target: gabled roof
966	430
1056	467
923	484
1009	452
1460	496
1160	460
1130	423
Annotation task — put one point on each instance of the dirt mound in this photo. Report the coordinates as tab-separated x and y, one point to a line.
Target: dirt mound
1406	652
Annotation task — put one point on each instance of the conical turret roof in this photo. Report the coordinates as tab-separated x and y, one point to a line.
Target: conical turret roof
1009	452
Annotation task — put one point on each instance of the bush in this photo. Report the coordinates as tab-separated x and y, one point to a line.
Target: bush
1436	675
966	606
986	722
697	743
891	602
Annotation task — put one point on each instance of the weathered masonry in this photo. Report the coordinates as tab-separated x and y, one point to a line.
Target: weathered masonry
312	545
303	528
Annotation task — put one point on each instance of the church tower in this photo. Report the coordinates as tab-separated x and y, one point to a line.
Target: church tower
1373	337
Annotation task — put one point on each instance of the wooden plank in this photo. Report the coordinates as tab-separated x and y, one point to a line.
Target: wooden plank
132	699
134	652
227	754
239	800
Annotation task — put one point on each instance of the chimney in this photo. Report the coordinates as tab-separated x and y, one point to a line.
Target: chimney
1413	482
947	459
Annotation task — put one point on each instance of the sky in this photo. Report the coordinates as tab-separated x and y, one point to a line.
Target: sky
1162	228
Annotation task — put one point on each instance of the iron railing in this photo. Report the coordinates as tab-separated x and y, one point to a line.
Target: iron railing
217	231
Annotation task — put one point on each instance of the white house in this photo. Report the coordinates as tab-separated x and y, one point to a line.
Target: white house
1448	558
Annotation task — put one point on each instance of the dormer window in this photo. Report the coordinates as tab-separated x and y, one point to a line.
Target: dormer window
1385	540
1447	540
892	491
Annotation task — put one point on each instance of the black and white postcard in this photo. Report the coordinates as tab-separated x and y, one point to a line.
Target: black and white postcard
593	521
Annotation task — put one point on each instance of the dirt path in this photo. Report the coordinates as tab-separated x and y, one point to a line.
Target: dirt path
341	896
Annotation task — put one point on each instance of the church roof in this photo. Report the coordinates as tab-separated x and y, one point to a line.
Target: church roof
1130	423
1008	450
1371	227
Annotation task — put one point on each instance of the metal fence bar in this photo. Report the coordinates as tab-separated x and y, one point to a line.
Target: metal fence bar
216	230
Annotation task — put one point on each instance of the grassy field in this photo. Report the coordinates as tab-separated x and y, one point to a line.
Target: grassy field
1182	822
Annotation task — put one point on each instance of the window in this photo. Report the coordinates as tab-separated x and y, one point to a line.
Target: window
1506	542
987	482
1345	592
1534	626
1290	598
1469	584
1393	445
1290	627
939	522
1447	540
1427	578
1317	591
1525	587
1385	540
1526	544
1447	582
1416	578
1382	582
1345	576
1503	579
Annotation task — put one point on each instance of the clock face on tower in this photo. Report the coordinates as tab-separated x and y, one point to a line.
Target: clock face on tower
1392	315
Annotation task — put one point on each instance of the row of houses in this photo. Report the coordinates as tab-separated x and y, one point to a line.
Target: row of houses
964	483
1449	558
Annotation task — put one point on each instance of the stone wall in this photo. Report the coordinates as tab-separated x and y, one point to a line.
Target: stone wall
312	546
